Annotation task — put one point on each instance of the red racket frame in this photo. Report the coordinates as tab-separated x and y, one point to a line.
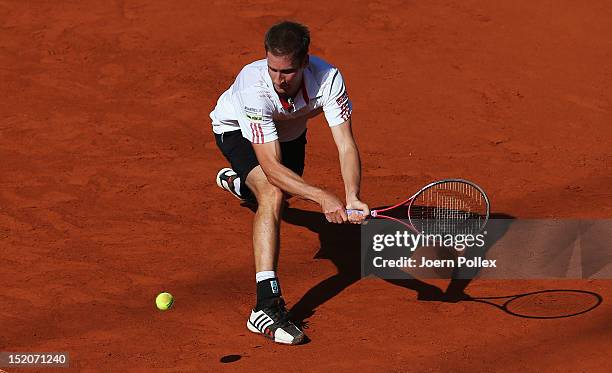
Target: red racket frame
377	213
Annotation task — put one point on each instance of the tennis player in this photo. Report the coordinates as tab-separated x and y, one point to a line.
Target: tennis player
260	127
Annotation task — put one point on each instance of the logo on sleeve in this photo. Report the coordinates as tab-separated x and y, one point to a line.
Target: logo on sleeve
343	103
257	133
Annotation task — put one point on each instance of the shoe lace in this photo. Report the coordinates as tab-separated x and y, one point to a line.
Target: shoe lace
279	313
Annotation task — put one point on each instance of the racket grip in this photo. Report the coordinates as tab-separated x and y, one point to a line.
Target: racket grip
360	213
354	212
356	216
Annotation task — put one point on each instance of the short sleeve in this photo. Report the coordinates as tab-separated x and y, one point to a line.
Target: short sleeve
254	111
338	106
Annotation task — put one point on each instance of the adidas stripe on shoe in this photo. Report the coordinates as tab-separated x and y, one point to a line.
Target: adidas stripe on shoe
273	322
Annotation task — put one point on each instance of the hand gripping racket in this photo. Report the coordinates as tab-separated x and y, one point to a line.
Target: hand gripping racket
450	206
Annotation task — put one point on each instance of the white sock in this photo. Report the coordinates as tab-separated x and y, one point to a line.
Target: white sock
237	186
264	275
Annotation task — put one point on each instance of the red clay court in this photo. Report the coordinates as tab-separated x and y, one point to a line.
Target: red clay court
108	197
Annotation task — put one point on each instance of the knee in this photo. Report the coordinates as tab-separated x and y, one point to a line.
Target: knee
270	196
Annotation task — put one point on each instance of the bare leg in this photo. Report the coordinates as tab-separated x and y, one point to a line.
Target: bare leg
269	316
266	224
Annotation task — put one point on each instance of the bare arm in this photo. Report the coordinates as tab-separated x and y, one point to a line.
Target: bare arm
350	165
269	156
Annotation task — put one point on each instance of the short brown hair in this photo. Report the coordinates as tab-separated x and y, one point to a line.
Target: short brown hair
288	39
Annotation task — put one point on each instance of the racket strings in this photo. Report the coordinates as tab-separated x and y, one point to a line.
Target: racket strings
451	207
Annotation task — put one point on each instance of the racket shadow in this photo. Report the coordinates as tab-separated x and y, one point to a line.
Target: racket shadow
544	304
342	246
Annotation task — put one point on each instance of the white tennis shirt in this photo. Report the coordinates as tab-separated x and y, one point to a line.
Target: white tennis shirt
252	106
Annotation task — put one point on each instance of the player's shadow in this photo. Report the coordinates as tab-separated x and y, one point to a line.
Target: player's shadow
341	244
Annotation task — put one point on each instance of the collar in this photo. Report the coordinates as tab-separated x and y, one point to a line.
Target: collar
288	104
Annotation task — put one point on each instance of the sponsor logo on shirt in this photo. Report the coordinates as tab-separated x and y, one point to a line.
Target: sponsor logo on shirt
252	110
254	117
264	94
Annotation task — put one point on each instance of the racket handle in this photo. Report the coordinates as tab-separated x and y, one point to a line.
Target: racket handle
354	212
355	216
373	213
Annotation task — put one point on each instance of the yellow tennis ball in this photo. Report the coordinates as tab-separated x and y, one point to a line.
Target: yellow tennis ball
164	301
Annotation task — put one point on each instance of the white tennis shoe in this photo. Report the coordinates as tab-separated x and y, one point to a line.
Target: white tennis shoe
273	322
226	179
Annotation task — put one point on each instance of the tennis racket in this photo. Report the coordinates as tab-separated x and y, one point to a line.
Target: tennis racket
450	206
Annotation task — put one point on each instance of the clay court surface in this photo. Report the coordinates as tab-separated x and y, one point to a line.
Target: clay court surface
107	193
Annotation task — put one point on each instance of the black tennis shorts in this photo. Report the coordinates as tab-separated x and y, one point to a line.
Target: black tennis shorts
241	156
